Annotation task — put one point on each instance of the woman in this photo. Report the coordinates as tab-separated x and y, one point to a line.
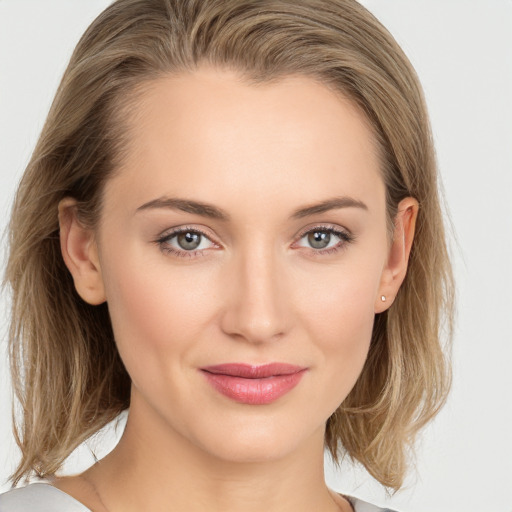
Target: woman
230	226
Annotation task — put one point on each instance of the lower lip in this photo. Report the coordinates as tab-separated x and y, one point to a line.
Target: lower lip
254	391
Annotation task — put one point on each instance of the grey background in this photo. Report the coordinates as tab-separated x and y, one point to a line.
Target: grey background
462	52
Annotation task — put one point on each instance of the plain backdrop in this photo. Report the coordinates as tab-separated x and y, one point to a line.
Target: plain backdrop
462	50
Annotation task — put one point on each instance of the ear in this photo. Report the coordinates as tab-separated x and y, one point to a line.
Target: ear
398	256
80	254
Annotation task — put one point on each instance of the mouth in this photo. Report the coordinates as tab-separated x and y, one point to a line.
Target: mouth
254	385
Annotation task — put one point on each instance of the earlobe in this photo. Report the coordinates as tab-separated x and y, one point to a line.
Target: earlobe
80	254
398	256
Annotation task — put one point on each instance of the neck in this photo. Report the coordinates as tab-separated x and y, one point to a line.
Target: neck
164	471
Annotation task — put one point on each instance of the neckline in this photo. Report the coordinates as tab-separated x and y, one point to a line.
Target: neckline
71	499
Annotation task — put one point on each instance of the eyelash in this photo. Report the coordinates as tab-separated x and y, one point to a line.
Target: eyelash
344	236
163	242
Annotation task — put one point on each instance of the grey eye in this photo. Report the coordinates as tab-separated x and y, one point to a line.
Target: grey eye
189	240
319	239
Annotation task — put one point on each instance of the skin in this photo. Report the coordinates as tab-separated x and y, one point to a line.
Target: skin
255	291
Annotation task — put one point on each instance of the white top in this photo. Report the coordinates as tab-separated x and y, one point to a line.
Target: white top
41	497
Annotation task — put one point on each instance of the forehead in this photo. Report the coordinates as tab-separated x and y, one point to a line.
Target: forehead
212	131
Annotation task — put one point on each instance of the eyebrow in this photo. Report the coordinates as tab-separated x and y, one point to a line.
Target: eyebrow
214	212
327	205
186	205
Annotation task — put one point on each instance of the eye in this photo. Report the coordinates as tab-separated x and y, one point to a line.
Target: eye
319	239
185	242
188	240
325	240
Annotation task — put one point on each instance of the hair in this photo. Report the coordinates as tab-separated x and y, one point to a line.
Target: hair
68	377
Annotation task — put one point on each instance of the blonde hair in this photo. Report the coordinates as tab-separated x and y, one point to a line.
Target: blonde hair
67	373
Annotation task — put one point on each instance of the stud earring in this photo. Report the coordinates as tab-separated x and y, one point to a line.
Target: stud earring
383	298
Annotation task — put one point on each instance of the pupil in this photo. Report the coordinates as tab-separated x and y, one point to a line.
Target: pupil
189	241
319	239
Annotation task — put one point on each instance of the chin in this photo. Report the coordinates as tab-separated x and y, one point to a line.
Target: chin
252	451
258	441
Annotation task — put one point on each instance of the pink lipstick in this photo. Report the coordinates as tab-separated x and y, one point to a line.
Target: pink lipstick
254	385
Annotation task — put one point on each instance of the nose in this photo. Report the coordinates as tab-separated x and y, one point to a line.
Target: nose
256	307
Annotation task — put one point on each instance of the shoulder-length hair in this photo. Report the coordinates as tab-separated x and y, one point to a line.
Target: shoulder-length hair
68	376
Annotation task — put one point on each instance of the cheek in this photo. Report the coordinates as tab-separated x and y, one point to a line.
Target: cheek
340	318
341	303
155	313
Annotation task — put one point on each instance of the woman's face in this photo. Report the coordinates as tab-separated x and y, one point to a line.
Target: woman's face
246	227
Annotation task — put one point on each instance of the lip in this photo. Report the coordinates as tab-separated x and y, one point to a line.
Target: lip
254	385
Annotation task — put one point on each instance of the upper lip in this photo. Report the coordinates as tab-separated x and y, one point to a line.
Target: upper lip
248	371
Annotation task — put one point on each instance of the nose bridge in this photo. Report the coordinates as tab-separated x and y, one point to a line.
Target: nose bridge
256	308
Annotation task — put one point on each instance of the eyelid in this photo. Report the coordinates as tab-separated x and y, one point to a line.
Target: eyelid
170	233
345	236
342	233
190	227
326	227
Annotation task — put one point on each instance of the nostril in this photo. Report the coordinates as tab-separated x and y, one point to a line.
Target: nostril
254	298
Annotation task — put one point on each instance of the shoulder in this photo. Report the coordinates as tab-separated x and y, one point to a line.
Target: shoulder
42	497
39	497
363	506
